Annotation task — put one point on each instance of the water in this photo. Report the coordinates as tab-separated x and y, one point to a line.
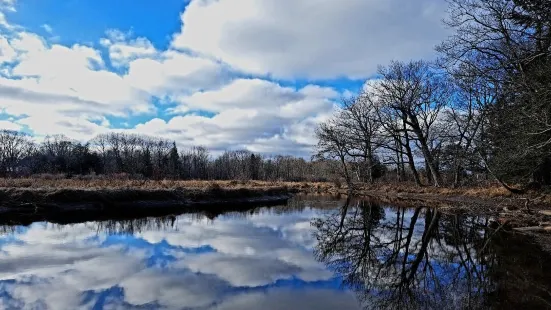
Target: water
314	253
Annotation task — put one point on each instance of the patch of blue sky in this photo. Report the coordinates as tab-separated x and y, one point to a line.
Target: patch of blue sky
341	85
8	117
85	21
163	113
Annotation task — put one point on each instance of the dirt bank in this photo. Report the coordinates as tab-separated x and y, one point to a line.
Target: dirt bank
27	205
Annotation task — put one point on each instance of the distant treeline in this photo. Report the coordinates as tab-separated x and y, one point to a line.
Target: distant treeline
482	109
138	156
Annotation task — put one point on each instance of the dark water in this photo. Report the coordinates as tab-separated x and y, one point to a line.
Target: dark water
314	253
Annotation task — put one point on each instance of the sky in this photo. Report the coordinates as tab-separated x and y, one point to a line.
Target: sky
225	74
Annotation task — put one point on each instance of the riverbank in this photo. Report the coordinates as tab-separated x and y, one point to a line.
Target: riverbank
40	198
112	191
24	201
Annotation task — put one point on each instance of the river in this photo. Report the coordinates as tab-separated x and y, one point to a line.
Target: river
316	252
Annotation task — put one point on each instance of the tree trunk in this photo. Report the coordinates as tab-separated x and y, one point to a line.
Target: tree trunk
345	169
457	176
369	162
428	173
399	163
411	161
429	159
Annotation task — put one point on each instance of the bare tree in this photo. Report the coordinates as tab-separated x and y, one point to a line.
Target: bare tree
417	94
14	146
332	144
359	115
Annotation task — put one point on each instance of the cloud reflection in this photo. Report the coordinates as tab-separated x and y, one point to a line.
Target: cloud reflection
234	262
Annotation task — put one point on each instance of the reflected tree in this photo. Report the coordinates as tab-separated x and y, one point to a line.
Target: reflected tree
396	258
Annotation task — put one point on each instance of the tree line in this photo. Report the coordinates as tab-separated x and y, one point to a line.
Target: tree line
481	110
140	156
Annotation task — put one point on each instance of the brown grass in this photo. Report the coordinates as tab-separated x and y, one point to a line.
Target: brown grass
108	191
96	184
57	187
490	191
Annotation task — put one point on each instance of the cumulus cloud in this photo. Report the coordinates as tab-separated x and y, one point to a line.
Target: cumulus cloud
309	38
7	53
58	89
71	71
173	73
9	125
202	89
255	114
122	48
61	89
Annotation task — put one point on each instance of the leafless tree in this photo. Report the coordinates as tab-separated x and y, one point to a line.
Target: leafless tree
14	146
332	144
417	94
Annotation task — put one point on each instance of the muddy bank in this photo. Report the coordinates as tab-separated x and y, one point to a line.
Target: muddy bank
24	206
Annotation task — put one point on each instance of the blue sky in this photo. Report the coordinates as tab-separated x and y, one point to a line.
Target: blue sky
254	74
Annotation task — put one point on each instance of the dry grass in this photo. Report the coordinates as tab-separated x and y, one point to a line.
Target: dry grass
56	190
490	194
197	187
96	184
410	188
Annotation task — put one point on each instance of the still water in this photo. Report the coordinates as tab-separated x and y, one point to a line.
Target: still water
313	253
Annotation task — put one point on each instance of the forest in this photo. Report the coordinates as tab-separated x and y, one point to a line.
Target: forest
481	111
141	157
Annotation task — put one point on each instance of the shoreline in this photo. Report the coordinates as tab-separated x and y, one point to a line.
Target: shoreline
66	205
28	200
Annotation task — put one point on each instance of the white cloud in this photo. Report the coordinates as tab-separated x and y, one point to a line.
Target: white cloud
26	42
123	49
8	5
311	38
7	53
243	94
174	73
251	113
9	125
47	28
60	89
55	88
3	21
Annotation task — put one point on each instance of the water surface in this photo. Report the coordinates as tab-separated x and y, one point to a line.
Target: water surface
314	253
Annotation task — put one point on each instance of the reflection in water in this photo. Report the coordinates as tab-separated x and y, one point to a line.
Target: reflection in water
398	258
315	253
259	259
